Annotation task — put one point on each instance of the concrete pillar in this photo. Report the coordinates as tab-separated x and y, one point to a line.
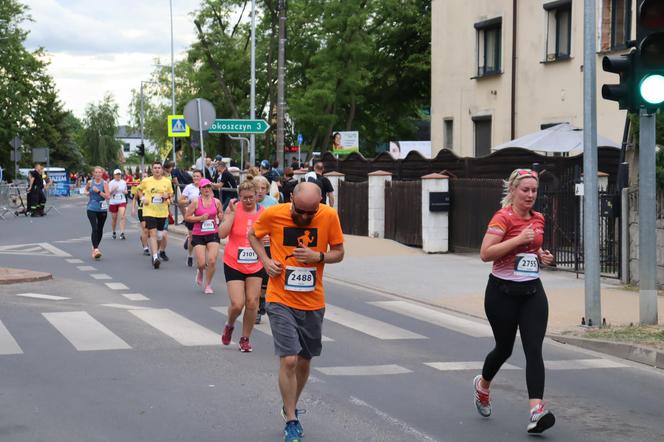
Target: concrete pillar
435	225
335	178
377	182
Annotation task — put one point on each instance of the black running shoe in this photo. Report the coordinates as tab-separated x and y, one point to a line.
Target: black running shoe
190	261
163	256
146	252
186	244
156	263
258	319
113	236
122	236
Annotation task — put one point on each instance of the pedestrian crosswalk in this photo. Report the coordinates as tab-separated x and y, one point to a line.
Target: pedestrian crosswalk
88	332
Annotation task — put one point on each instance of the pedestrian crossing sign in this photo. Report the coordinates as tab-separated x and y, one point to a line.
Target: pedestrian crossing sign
177	127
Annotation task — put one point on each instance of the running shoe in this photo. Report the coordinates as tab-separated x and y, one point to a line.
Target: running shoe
245	346
258	319
186	243
122	235
146	252
261	305
97	254
199	277
162	255
228	334
298	412
190	261
208	290
113	235
540	419
156	263
291	432
481	398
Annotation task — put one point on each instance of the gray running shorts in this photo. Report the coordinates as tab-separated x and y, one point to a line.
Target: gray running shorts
295	332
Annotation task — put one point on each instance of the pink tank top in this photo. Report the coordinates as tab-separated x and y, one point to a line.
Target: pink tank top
238	253
210	225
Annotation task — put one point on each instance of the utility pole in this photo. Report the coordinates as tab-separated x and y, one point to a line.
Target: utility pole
142	131
252	109
590	186
173	87
281	80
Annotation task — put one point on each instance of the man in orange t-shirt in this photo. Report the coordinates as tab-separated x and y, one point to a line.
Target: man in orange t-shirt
305	235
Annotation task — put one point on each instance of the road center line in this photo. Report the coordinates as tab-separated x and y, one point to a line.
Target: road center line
364	370
40	296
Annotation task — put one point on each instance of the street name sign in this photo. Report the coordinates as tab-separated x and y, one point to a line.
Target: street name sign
239	127
177	126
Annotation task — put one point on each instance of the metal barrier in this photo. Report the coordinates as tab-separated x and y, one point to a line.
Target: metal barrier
13	199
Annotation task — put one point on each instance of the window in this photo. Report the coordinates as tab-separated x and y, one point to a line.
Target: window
559	30
126	147
448	134
488	46
482	136
616	24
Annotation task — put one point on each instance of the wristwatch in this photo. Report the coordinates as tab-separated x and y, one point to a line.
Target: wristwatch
322	258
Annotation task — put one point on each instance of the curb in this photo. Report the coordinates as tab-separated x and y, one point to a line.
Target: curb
632	352
17	276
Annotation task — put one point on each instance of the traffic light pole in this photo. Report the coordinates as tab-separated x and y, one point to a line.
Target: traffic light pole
647	215
590	185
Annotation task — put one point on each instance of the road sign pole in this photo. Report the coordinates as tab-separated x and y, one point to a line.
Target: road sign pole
590	200
142	131
647	220
252	111
200	127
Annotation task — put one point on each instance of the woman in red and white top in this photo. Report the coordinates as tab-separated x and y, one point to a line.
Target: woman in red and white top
244	271
205	212
514	295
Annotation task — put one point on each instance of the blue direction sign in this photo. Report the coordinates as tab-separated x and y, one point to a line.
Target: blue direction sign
239	127
300	139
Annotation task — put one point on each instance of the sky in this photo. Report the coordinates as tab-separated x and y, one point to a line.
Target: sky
100	46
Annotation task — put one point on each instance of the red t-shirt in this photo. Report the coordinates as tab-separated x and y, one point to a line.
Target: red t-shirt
519	264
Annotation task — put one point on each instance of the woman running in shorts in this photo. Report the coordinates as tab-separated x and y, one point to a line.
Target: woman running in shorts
190	193
244	272
515	298
98	194
118	202
205	212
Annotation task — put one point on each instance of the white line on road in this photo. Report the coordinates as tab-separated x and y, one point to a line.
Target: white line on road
116	286
372	327
363	370
183	330
135	297
8	345
54	250
582	364
436	317
75	261
126	306
263	327
469	365
413	433
84	332
86	268
100	276
40	296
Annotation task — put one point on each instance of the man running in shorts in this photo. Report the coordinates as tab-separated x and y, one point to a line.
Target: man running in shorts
155	191
295	294
118	202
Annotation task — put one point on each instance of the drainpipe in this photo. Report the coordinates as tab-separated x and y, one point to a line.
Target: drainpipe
513	98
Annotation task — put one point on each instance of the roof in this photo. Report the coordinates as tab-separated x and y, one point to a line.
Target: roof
126	132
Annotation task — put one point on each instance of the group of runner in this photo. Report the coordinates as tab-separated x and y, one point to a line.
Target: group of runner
287	246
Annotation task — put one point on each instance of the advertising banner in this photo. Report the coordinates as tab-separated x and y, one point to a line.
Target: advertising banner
60	186
345	143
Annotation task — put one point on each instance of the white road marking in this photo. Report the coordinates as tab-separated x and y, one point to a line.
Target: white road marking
363	370
126	306
469	365
40	296
8	345
54	250
116	286
135	297
436	317
411	432
263	327
84	332
582	364
364	324
86	268
75	261
100	276
183	330
40	249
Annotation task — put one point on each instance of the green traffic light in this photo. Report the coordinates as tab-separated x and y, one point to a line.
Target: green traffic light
652	89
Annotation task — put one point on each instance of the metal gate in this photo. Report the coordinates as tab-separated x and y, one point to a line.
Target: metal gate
354	207
403	212
472	204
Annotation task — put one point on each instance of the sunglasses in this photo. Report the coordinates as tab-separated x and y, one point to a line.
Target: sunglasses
303	212
522	172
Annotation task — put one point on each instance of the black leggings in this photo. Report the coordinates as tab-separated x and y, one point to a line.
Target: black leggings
97	221
507	310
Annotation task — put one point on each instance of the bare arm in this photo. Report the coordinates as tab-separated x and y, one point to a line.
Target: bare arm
494	248
227	220
189	215
272	267
330	198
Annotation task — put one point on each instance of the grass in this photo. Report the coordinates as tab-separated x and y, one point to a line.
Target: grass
648	335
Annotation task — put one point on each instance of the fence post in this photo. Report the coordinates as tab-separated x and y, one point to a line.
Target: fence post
335	178
435	225
377	181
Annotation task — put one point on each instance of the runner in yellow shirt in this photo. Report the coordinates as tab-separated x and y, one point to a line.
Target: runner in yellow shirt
155	192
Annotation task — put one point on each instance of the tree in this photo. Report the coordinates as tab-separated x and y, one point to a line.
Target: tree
99	128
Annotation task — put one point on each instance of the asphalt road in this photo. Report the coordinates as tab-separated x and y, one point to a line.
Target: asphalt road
105	364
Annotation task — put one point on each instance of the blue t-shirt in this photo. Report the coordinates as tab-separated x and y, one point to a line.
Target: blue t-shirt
96	202
269	201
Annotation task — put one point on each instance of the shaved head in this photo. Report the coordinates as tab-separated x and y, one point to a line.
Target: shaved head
307	190
305	202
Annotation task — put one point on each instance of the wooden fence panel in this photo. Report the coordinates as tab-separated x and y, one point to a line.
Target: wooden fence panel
354	207
403	212
473	203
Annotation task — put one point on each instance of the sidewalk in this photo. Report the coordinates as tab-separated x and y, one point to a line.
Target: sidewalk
14	276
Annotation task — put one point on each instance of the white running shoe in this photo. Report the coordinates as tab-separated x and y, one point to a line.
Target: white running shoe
540	419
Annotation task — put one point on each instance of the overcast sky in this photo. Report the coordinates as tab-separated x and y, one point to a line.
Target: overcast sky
99	46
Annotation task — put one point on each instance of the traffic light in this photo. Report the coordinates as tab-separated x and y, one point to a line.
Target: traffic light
650	50
141	149
623	93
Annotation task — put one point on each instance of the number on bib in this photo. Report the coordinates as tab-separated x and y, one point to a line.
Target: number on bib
300	279
118	198
157	200
103	205
526	264
246	255
208	226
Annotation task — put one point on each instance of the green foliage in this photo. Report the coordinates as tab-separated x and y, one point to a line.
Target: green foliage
102	149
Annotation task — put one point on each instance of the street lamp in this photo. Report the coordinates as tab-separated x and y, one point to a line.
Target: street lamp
173	83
